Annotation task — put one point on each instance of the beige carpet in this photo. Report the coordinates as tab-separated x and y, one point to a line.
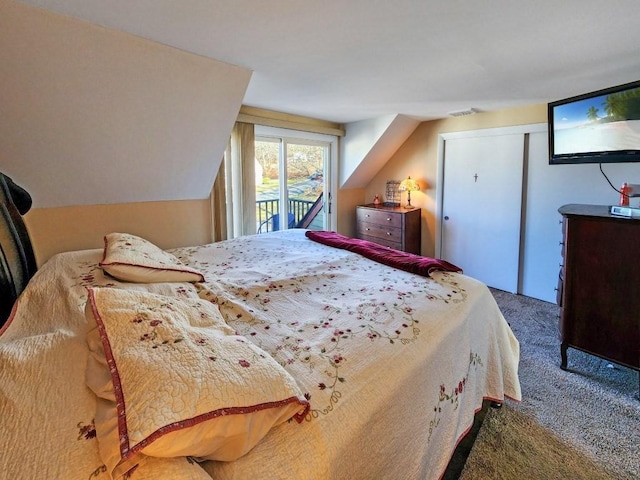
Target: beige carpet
575	424
510	446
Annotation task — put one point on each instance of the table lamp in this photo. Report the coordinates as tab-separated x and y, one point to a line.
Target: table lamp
409	185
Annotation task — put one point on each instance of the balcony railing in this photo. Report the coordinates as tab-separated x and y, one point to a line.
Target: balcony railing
265	209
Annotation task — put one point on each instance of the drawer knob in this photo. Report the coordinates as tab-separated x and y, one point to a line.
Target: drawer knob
388	219
389	233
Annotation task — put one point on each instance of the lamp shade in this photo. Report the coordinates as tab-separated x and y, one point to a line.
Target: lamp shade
409	185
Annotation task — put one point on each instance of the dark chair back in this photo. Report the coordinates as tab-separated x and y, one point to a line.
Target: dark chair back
17	260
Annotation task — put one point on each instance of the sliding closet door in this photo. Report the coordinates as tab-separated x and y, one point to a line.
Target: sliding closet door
481	207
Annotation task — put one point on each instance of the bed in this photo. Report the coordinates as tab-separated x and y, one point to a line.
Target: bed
358	369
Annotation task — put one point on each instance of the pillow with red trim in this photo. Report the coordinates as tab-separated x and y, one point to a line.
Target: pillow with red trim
173	379
130	258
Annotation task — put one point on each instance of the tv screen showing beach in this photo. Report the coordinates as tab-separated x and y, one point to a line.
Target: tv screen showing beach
600	124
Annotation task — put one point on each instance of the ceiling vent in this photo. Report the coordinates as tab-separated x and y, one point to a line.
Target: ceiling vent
462	113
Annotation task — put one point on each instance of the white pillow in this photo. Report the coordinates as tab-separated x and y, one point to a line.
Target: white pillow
133	259
173	379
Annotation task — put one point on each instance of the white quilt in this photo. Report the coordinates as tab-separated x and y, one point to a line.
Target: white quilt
47	415
395	365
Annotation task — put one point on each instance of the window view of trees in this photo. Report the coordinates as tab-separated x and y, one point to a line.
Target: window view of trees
304	163
304	182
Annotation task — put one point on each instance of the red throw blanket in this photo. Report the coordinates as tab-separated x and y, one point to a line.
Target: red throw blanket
408	262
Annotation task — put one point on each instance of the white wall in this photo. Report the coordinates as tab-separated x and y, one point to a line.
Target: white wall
548	188
96	116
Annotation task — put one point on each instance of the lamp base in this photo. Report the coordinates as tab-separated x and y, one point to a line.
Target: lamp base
408	205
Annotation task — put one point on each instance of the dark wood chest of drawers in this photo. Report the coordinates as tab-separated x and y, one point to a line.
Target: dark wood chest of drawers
395	227
599	285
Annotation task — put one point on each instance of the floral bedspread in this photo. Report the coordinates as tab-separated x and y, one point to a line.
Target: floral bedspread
395	364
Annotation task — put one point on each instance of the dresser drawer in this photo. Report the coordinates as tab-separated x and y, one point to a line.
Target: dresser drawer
382	241
394	227
378	231
379	217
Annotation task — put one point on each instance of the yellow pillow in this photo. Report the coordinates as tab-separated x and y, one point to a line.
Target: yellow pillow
173	379
133	259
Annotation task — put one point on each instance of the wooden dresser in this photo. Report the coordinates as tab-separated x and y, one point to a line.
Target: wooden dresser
395	227
599	284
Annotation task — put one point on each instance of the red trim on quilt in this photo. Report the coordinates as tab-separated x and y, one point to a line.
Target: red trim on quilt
115	376
191	422
126	450
464	434
104	250
12	315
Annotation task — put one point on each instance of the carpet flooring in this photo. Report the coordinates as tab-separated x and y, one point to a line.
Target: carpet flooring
583	423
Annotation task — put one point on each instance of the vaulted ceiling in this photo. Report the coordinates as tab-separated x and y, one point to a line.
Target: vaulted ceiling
346	61
116	101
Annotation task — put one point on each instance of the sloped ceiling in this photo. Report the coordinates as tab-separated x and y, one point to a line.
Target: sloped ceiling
95	116
347	61
111	101
369	144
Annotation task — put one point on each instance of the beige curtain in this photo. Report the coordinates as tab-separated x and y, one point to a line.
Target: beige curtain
233	197
219	206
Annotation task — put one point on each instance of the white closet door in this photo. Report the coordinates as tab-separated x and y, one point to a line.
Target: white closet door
541	254
481	207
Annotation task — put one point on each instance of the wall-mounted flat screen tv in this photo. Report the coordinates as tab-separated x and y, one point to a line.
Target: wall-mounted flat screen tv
597	127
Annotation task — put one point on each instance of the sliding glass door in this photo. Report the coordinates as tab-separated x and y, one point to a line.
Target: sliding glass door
291	181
